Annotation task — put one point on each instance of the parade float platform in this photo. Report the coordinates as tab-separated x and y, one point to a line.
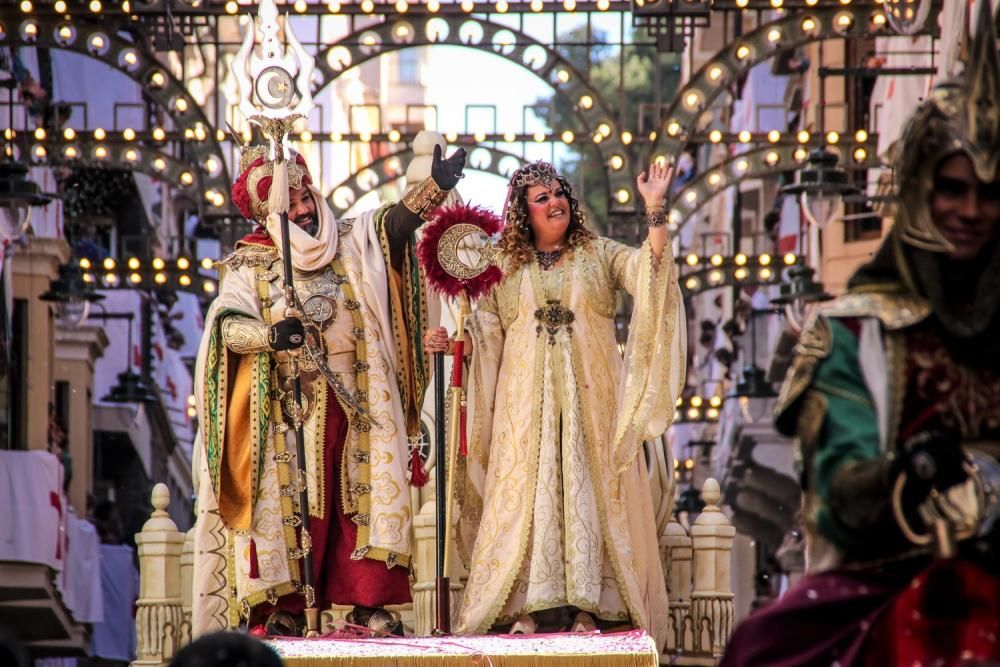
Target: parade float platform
618	649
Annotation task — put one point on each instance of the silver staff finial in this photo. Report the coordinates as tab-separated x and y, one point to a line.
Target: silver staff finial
270	82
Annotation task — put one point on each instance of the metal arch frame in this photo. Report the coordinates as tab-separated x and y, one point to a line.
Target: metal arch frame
572	90
757	166
681	118
385	177
11	25
114	160
706	276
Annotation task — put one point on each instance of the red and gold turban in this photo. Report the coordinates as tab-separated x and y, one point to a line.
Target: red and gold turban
250	191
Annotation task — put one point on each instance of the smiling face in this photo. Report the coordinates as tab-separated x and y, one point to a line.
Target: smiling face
964	209
548	210
302	209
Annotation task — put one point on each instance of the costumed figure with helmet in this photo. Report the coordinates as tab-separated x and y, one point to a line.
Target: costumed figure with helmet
894	398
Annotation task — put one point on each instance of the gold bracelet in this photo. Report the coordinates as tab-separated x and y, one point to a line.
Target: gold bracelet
424	198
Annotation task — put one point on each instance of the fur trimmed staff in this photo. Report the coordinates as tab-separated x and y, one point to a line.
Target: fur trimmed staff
455	235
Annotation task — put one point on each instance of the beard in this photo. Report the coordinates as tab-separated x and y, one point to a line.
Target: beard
308	223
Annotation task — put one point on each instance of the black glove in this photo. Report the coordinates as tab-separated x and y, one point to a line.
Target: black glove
288	334
932	460
447	173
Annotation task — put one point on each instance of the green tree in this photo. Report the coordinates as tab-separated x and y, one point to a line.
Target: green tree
630	84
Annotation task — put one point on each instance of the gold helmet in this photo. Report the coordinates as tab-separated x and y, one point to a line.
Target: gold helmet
960	115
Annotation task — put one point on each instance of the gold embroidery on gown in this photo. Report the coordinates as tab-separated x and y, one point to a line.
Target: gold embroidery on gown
566	563
539	527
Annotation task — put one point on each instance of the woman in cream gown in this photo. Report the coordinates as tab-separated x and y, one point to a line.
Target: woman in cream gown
556	511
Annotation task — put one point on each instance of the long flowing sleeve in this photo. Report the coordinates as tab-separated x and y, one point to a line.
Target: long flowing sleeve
655	359
408	307
231	393
487	334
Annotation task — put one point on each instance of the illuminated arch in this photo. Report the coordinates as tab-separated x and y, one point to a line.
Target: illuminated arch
105	46
757	163
517	47
115	155
390	168
735	60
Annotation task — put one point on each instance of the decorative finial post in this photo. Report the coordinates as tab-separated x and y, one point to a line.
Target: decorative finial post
159	614
712	598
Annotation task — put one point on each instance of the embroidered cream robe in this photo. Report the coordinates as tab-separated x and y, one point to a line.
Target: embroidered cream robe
555	501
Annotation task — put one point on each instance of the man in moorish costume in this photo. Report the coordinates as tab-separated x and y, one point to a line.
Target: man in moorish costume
894	396
363	304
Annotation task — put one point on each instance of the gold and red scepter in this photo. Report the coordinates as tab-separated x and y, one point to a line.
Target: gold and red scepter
274	92
457	258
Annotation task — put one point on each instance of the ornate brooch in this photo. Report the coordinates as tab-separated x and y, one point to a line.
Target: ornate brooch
552	316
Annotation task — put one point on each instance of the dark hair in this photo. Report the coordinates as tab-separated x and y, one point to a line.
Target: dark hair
516	238
226	649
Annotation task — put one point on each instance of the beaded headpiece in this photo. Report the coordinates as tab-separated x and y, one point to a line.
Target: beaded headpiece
533	174
960	115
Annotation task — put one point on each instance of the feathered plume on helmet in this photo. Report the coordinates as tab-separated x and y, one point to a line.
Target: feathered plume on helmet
960	115
251	188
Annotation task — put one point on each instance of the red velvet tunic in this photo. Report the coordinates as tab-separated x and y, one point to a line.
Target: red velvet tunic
337	578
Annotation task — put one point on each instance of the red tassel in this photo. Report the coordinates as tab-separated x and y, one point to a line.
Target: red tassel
418	476
456	363
254	566
463	443
56	502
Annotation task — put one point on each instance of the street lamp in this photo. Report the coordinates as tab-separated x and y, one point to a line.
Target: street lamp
800	286
689	502
72	294
131	387
753	382
821	186
18	193
797	292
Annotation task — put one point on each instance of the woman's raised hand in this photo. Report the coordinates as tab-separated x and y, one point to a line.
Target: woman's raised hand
653	184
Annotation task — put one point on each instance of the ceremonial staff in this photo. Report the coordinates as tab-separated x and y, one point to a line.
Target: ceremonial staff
274	93
458	261
442	585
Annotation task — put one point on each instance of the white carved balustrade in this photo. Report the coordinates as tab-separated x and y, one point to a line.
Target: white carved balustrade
159	618
712	597
698	570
